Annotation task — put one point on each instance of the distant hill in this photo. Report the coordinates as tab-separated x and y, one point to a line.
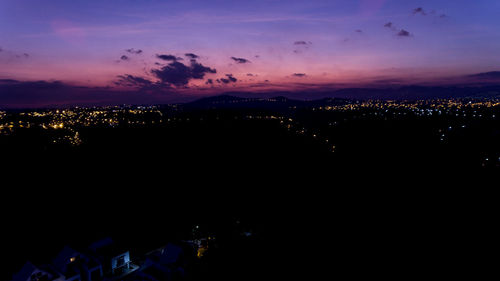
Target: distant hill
419	92
486	75
274	103
275	100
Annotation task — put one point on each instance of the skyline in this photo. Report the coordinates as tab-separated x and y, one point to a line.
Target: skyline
170	50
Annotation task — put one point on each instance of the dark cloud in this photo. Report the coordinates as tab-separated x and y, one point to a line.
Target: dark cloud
301	46
168	57
250	74
191	56
169	74
124	57
240	60
302	43
299	74
13	54
399	32
198	70
230	79
134	51
389	81
140	83
179	74
433	13
486	75
24	55
38	84
128	80
419	11
15	93
35	94
404	33
359	31
209	82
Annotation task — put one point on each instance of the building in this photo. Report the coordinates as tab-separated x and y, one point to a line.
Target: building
114	258
106	260
74	265
30	272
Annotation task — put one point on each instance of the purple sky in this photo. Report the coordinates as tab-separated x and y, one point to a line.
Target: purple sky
105	50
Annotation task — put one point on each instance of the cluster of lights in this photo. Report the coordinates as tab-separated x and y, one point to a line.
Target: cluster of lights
453	107
69	121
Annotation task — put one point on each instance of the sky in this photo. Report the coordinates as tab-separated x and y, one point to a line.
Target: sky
59	51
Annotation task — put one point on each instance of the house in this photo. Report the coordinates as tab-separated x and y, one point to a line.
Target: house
30	272
114	258
162	264
74	265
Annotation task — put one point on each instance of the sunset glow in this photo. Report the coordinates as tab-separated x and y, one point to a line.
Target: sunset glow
249	46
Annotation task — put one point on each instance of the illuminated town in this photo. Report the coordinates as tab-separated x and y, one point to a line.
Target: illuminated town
447	117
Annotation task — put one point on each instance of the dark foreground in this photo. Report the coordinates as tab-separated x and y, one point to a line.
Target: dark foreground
324	193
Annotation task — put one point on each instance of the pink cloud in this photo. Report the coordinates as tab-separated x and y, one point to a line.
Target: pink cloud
69	31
